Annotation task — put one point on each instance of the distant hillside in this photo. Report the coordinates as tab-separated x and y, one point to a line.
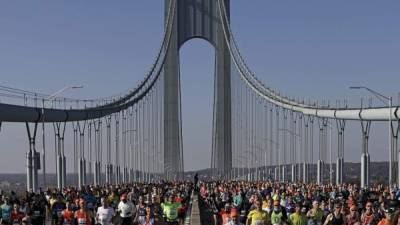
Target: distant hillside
379	172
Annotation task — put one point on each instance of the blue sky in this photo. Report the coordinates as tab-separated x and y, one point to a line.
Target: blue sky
311	49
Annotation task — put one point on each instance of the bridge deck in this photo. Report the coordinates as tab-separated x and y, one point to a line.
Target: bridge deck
195	216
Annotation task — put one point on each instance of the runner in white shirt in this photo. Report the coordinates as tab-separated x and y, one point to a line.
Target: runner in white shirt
127	210
105	213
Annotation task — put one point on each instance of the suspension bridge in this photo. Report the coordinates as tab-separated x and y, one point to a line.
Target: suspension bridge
257	132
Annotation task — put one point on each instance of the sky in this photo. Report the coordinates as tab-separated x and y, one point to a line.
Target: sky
308	49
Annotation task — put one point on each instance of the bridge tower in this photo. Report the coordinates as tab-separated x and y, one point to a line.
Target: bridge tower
197	19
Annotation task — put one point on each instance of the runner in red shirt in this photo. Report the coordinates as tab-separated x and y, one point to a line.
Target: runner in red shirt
67	215
16	215
82	216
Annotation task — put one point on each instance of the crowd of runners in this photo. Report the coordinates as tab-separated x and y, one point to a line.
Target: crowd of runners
137	203
269	203
225	202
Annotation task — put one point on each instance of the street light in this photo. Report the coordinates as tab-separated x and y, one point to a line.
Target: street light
290	132
50	98
382	98
62	90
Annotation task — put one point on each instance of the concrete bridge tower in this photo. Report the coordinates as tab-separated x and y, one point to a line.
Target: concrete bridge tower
198	19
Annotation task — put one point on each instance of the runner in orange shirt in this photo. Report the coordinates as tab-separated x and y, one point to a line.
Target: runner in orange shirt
67	215
82	215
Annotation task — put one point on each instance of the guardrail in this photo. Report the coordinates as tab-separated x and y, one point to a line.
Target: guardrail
188	217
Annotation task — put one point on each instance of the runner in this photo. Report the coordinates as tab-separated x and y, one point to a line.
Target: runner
336	217
234	218
225	214
16	215
105	214
38	212
353	217
82	216
149	216
387	220
170	211
126	210
315	215
90	200
141	212
238	200
67	215
258	216
298	218
6	211
156	209
57	207
368	217
278	215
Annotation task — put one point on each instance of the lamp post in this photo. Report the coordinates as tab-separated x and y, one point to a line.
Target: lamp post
382	98
51	98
